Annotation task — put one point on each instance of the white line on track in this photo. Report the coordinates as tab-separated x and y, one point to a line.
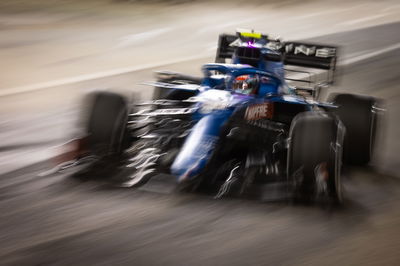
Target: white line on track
390	8
362	57
362	20
92	76
140	37
321	13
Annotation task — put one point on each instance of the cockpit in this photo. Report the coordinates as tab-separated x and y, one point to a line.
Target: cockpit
241	79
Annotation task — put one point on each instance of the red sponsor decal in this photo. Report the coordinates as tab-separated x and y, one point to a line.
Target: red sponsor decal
259	111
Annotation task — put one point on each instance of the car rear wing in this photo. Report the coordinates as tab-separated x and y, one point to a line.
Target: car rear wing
310	55
299	54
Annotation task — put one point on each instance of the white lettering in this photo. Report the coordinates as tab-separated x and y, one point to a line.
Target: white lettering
289	48
258	111
325	52
304	50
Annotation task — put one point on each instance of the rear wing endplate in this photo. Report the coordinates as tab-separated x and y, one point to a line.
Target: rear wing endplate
224	50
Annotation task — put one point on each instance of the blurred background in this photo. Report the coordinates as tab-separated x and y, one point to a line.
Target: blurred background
55	51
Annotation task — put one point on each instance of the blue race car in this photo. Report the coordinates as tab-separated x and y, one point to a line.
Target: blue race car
238	130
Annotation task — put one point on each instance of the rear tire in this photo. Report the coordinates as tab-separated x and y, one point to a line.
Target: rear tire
356	113
314	157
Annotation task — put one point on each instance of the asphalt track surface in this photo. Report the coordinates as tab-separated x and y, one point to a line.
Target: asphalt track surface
58	220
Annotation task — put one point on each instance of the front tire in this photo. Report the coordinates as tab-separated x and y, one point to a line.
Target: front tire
314	157
107	124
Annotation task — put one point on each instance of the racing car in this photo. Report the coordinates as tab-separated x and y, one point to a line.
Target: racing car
237	129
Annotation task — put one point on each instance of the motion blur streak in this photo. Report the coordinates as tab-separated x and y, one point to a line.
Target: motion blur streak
73	47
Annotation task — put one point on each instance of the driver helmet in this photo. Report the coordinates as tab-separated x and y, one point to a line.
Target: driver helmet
246	84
